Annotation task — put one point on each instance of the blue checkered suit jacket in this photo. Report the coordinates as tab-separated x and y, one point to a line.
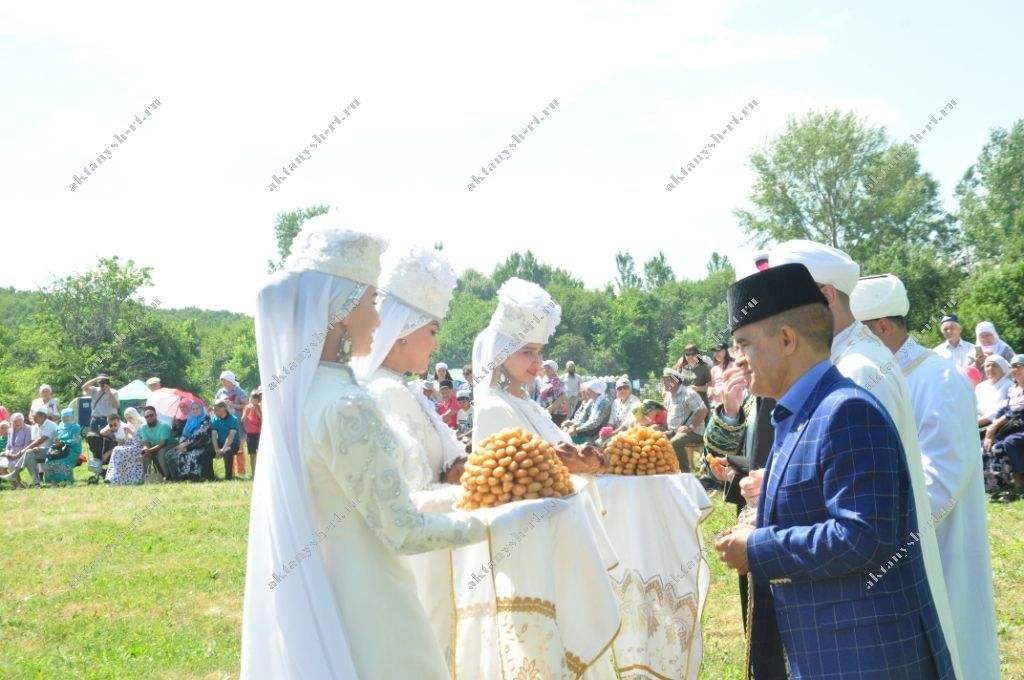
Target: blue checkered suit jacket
836	505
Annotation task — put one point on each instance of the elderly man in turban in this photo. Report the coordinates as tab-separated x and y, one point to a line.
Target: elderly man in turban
861	357
836	502
947	429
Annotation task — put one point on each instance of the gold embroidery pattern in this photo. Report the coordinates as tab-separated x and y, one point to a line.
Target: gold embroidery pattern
652	610
480	609
534	605
528	671
576	664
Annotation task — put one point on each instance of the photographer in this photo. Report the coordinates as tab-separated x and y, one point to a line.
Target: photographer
105	401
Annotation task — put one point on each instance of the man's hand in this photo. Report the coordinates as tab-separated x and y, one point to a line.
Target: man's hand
734	383
682	429
750	486
732	548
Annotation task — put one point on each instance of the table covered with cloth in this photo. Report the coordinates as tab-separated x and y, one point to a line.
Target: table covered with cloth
663	575
534	601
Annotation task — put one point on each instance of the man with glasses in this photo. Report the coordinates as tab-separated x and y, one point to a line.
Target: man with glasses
159	445
622	407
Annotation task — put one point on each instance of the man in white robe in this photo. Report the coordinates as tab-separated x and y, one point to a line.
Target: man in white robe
861	357
945	413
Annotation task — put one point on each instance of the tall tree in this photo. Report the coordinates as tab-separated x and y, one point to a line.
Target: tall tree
627	277
657	272
834	179
718	263
991	197
286	228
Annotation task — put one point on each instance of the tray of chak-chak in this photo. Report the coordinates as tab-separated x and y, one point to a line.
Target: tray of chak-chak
513	465
640	451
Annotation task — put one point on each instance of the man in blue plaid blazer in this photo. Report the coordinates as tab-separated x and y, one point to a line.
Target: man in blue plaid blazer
836	505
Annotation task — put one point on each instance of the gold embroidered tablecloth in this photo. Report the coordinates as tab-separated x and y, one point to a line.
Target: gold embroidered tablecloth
663	575
535	602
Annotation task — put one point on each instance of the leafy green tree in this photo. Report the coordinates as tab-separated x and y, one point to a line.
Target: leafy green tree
627	277
287	227
718	263
95	322
467	316
995	294
657	272
991	196
832	178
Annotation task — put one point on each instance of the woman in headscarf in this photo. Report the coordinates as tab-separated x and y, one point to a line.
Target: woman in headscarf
552	395
330	491
195	449
415	300
441	372
60	462
592	415
416	295
126	465
991	392
507	358
990	343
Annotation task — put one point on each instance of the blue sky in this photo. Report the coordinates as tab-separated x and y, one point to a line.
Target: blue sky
640	85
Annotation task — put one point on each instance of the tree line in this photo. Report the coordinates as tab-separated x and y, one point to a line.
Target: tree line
828	176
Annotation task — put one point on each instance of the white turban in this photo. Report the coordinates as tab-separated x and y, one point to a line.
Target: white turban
826	264
876	297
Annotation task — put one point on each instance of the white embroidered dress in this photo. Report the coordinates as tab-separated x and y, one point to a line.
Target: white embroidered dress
353	462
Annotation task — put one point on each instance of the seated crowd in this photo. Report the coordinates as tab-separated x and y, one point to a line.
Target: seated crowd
139	448
130	447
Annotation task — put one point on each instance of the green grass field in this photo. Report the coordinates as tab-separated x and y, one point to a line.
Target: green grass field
88	595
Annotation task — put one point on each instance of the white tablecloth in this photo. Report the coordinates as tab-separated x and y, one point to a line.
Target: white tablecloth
663	575
533	601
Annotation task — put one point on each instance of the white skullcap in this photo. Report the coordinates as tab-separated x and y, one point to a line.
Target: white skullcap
826	264
40	410
876	297
153	381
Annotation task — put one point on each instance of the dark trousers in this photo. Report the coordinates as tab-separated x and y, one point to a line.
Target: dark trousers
228	453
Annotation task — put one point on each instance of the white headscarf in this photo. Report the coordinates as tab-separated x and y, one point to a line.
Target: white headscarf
428	280
525	314
1002	363
988	327
599	387
294	630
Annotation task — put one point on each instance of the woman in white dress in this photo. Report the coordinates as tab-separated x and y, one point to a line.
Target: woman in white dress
418	290
327	595
415	299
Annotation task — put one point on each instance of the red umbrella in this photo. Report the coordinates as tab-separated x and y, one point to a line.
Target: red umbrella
167	401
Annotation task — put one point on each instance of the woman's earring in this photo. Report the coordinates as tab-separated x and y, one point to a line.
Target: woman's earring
345	347
503	379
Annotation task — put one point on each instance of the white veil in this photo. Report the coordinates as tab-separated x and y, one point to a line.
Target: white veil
292	630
